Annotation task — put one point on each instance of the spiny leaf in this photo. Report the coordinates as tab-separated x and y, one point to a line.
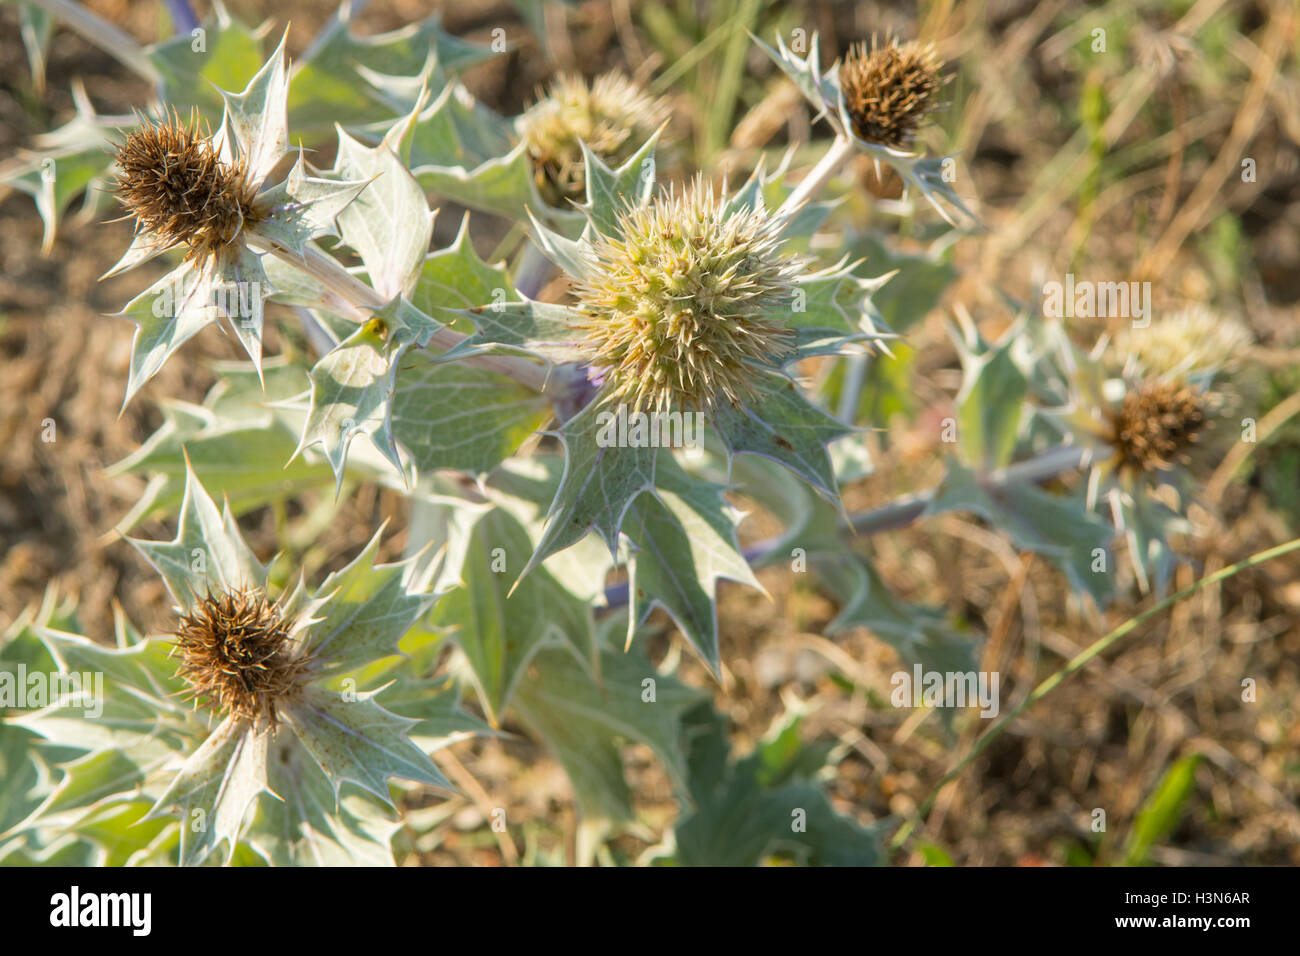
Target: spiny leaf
126	838
130	721
343	77
770	190
501	630
194	69
141	664
214	789
525	328
990	404
352	387
389	223
359	741
237	441
805	72
456	416
23	783
502	185
91	779
610	191
257	116
526	487
305	207
915	286
309	826
1147	524
460	149
836	298
1061	529
457	132
747	809
434	702
456	278
585	722
185	301
568	254
781	424
365	609
167	315
684	535
243	287
69	160
208	553
597	487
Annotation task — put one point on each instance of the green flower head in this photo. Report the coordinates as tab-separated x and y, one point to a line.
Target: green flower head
682	301
612	115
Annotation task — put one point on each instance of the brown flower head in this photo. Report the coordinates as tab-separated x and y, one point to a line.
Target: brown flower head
1156	425
180	191
612	115
236	653
889	89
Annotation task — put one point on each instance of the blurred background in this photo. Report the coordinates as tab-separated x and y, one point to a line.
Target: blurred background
1120	162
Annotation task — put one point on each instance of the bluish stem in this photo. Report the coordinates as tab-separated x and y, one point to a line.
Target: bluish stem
183	18
902	511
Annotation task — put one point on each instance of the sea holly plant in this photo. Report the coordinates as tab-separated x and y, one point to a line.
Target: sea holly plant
342	79
875	99
569	430
248	728
1154	411
209	195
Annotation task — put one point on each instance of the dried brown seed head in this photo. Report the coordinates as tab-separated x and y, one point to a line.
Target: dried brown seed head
1156	425
236	653
179	191
889	89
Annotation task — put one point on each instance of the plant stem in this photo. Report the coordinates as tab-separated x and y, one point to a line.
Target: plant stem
1074	664
903	510
183	18
533	271
317	337
360	300
835	157
112	40
855	375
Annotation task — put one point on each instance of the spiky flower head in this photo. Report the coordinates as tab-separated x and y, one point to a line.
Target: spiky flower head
238	655
180	191
1190	340
683	301
1155	426
612	115
889	89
